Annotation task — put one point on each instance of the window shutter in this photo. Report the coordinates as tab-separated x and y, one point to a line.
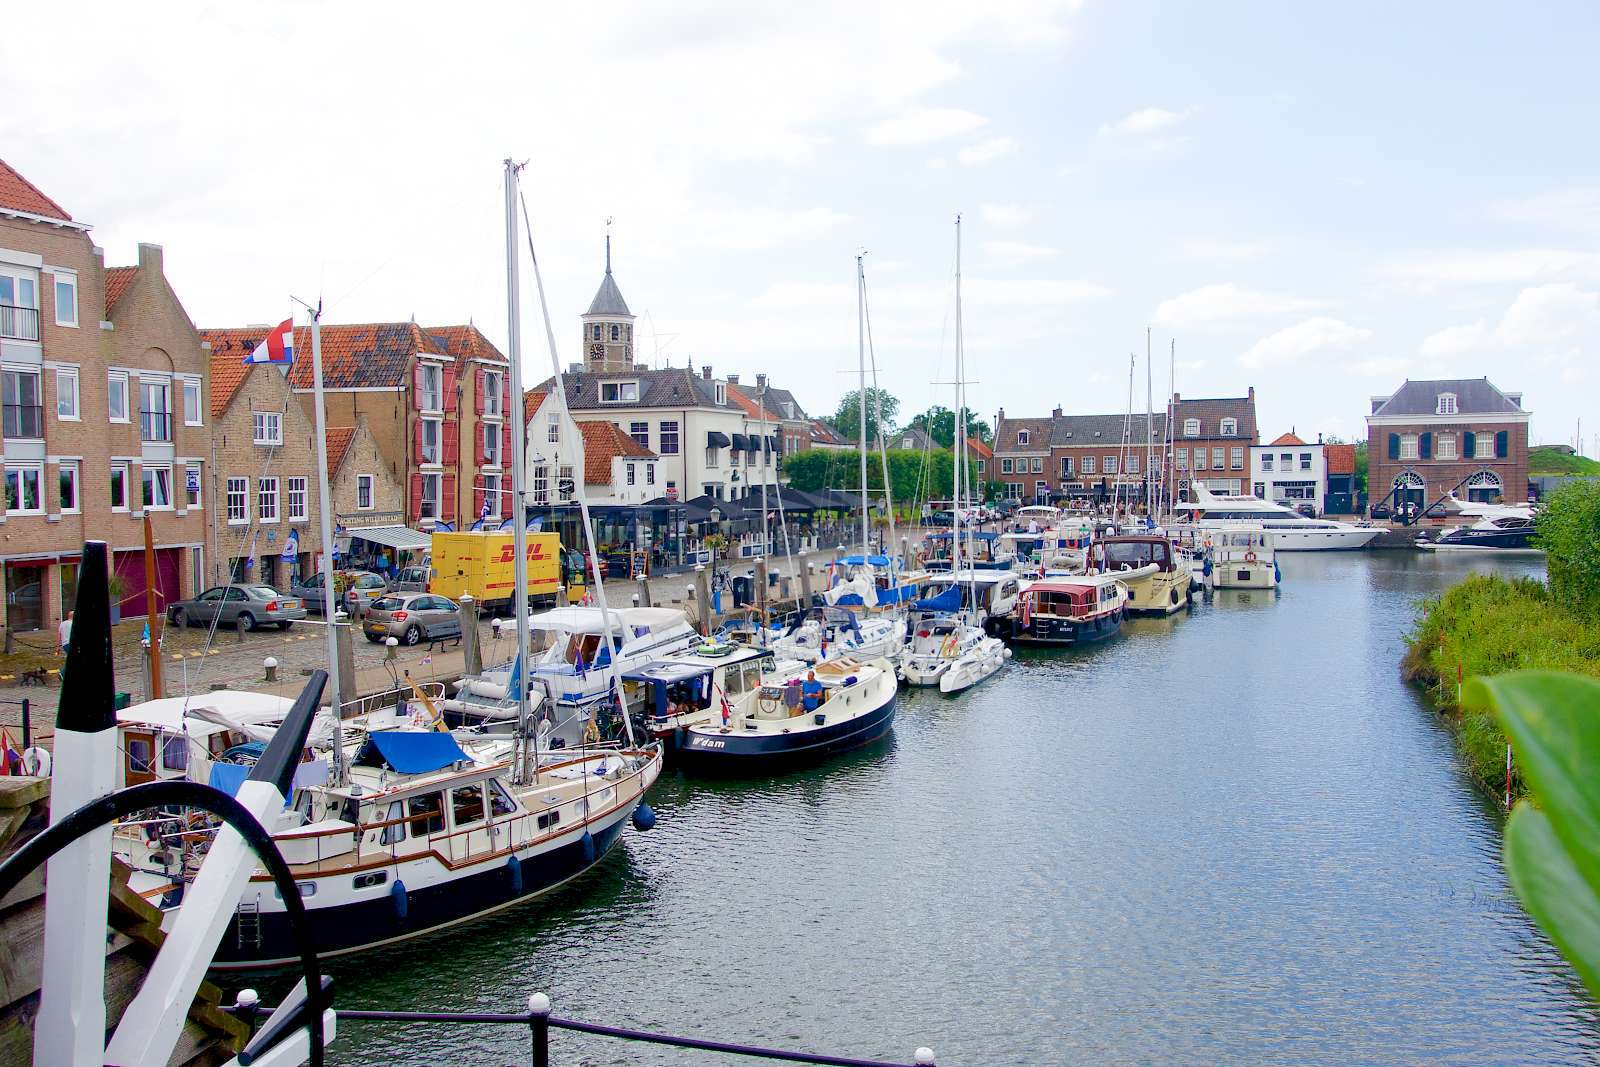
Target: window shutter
505	445
447	498
1394	446
505	392
1502	444
477	450
1469	445
450	441
477	392
416	442
477	504
416	496
416	386
449	378
1425	446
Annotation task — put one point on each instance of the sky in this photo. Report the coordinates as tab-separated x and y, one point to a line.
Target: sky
1318	201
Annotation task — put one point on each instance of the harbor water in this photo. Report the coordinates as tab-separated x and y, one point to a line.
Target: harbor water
1232	836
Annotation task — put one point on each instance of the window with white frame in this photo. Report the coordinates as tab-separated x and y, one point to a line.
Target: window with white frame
491	495
1218	458
1066	466
632	472
640	432
649	474
1013	490
1305	461
1088	464
1133	463
119	486
68	489
1236	459
1483	446
117	395
1266	461
193	492
432	493
1182	458
711	456
491	444
1005	466
1408	446
267	499
553	433
432	433
155	409
719	392
669	438
238	501
1041	489
1230	427
25	488
1108	464
619	392
541	485
192	415
566	488
1022	437
363	492
298	501
1038	464
267	427
67	394
1191	427
66	299
22	395
493	388
156	487
1447	404
430	379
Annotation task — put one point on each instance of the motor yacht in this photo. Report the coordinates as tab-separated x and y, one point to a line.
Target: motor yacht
1068	611
1158	582
1290	530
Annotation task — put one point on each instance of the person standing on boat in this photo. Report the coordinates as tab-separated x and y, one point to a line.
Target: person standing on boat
811	691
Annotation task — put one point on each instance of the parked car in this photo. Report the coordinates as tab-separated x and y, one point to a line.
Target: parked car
361	589
411	618
1381	511
1307	508
410	580
249	606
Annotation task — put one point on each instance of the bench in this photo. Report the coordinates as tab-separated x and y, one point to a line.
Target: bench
436	644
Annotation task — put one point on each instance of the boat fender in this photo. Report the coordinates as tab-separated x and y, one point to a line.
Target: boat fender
850	680
1173	594
1205	568
397	897
1250	557
587	844
644	817
514	871
1277	576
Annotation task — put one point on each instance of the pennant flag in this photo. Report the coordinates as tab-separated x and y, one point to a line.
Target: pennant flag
276	347
291	545
483	513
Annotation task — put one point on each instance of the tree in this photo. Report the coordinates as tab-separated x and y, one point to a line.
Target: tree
939	423
1361	466
1568	529
847	420
914	476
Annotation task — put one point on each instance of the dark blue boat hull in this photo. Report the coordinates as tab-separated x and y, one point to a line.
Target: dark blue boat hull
736	753
1053	631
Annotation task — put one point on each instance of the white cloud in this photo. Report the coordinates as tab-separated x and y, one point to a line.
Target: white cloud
1543	324
924	124
1005	214
1454	340
986	152
761	227
1222	251
1320	337
1013	253
1431	272
1570	209
1228	307
1382	367
1145	121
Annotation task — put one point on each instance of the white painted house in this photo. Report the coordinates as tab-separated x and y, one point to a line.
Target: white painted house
1289	471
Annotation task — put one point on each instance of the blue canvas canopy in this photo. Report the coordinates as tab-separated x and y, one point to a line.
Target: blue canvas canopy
415	752
949	600
856	561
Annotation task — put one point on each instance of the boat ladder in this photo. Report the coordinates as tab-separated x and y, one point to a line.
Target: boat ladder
247	923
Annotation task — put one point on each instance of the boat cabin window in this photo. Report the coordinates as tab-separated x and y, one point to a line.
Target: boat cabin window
466	805
689	693
584	647
1108	593
350	811
174	752
549	818
500	802
1130	553
739	678
426	813
396	832
140	754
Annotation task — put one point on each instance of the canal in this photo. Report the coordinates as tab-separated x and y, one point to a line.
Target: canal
1234	836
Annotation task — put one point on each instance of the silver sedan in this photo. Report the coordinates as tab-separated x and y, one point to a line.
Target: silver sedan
249	606
411	617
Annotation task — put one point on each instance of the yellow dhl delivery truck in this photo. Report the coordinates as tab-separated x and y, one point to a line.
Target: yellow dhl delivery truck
480	562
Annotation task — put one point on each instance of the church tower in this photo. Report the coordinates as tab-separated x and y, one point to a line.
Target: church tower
607	327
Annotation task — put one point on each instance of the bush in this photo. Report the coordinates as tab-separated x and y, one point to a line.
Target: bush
1489	625
1569	531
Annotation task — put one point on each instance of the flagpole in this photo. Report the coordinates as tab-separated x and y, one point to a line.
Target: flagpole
526	769
325	519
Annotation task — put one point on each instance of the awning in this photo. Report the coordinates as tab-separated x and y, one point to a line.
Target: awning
741	443
416	752
716	439
949	600
401	538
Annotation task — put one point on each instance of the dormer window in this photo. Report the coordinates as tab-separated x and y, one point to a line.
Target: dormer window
1230	427
1447	404
1022	437
1191	427
719	391
619	392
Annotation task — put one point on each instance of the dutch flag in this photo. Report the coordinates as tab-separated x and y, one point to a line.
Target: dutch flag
276	347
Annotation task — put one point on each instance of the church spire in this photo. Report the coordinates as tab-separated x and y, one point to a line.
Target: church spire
608	244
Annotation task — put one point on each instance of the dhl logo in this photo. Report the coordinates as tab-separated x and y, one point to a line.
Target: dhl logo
535	552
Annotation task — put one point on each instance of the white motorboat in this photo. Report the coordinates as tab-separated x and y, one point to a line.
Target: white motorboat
1510	532
1241	557
840	632
936	644
1290	531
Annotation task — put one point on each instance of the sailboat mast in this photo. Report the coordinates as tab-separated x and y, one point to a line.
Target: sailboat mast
519	514
955	445
325	527
1172	387
861	390
1149	431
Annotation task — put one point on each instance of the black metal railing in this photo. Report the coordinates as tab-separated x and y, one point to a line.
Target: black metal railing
24	420
540	1022
155	425
19	323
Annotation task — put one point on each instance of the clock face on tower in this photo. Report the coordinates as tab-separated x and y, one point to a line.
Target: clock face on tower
597	351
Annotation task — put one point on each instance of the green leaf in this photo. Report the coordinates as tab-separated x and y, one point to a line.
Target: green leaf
1553	721
1550	886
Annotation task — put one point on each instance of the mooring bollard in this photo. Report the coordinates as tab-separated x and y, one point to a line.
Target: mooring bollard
924	1057
270	665
539	1024
392	648
245	1007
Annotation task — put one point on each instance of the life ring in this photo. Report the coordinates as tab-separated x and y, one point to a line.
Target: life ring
1249	557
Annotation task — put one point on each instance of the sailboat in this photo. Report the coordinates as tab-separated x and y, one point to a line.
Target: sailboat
949	648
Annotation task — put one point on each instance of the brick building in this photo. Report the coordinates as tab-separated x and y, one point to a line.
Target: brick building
436	401
105	420
1429	439
1340	496
361	489
1211	442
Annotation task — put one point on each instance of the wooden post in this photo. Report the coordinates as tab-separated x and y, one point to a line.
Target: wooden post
805	583
471	656
702	595
644	591
152	612
761	589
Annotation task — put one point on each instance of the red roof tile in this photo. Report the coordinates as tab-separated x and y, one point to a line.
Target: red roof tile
117	281
603	442
354	356
1341	458
462	342
339	438
1288	439
979	449
228	369
19	194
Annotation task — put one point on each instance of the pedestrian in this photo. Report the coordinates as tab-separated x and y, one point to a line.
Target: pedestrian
811	691
64	633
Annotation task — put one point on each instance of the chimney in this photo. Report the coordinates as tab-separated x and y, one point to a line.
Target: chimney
1055	413
733	379
705	372
761	381
150	256
1176	399
1252	394
1000	415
